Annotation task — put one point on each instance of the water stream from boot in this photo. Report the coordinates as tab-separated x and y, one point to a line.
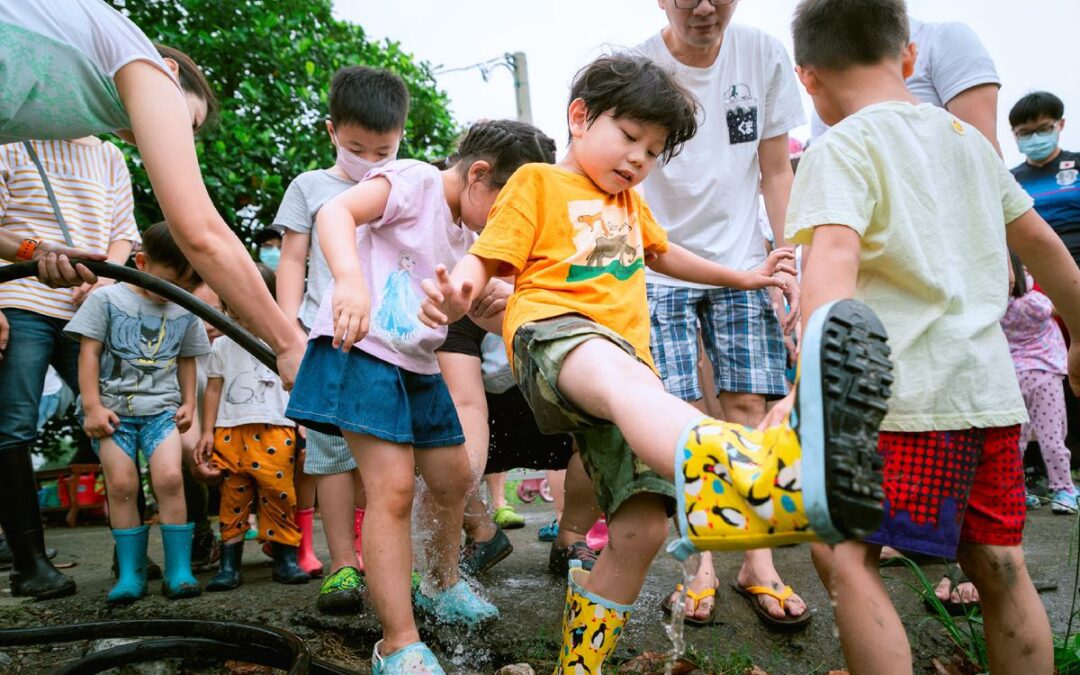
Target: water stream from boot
674	627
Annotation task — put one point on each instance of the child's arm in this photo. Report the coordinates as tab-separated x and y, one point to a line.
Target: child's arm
679	263
99	422
211	399
1046	257
187	375
337	222
451	294
290	272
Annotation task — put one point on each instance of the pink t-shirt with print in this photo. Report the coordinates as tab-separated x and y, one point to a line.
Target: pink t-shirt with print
397	251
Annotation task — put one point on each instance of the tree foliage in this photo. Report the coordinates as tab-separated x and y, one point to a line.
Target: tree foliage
270	62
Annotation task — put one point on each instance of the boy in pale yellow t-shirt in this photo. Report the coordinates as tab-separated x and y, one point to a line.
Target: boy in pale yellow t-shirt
911	211
578	236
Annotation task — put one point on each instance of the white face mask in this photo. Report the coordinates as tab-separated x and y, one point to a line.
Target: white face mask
355	166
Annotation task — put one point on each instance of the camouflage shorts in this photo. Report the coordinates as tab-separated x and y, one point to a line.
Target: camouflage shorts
539	350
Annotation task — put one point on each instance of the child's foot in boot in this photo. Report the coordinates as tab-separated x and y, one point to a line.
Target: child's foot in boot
228	576
177	581
286	570
131	564
818	479
306	558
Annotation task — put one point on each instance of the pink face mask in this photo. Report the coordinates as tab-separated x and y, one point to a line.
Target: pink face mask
355	166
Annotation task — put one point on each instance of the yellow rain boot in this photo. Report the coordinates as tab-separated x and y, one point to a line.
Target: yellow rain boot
591	628
816	478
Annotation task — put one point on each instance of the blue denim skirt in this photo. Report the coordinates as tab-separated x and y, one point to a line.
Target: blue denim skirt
354	391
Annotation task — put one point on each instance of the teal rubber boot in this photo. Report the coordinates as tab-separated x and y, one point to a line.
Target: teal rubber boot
131	561
178	581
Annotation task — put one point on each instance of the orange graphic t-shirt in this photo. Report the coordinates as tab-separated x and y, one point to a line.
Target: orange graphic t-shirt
575	250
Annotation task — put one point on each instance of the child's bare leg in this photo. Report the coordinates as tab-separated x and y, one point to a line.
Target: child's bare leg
557	484
167	477
603	380
446	472
1018	637
336	504
871	633
121	486
636	533
304	484
580	510
388	475
496	483
463	378
359	495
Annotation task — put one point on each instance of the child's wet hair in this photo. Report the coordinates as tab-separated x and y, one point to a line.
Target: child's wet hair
192	80
160	248
636	88
505	145
838	34
372	98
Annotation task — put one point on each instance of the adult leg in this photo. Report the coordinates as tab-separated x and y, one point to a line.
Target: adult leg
871	633
22	374
1018	637
388	477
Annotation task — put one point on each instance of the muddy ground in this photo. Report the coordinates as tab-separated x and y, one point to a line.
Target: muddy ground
531	603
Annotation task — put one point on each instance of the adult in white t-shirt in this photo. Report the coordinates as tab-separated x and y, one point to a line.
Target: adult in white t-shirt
954	71
707	200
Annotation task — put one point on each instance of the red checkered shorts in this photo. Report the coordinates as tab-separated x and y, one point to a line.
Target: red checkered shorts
945	487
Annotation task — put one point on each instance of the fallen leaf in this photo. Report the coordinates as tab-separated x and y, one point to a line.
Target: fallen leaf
652	663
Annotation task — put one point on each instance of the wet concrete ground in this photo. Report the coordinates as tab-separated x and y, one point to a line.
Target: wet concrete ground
530	601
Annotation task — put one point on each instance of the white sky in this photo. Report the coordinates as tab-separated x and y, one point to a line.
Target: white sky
1032	43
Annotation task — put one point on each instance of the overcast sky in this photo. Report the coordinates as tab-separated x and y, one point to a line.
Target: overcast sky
1032	43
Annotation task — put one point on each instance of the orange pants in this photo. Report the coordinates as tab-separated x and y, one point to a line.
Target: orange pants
258	458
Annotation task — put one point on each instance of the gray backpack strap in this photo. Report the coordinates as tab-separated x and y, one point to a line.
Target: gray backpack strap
49	191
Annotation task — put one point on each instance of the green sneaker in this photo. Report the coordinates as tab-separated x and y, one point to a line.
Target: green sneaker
508	519
342	592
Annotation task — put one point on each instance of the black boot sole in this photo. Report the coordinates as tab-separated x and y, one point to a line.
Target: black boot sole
843	397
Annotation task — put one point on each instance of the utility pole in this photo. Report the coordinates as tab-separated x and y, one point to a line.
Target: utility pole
520	69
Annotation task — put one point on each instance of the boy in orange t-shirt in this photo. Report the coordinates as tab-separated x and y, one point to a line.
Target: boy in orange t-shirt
578	237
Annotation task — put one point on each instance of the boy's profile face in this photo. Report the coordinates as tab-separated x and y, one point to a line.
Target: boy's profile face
616	153
185	279
374	146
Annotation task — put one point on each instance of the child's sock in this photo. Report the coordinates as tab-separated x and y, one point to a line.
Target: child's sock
591	627
177	581
131	564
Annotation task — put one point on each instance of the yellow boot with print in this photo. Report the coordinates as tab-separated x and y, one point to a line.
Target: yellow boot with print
816	477
591	628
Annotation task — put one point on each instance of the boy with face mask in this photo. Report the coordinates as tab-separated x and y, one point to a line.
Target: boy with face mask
368	110
1050	174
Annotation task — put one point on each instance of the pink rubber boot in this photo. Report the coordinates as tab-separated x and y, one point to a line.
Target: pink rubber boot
597	536
305	520
358	530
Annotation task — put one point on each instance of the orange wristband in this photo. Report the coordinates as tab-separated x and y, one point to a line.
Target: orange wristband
26	250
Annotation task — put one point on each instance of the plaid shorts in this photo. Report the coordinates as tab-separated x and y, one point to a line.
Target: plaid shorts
742	337
947	487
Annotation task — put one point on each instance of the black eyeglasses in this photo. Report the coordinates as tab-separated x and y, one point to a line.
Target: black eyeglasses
692	4
1028	133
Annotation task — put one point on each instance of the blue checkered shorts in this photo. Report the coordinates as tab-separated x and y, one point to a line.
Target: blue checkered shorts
742	337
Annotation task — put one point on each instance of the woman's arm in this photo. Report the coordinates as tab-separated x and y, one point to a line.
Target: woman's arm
54	267
162	128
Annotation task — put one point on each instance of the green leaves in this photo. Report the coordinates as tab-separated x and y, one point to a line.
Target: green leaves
270	62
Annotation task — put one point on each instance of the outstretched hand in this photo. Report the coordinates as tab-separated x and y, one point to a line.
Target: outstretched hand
777	270
445	302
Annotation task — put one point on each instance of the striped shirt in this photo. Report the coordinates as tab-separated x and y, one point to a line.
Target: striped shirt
93	188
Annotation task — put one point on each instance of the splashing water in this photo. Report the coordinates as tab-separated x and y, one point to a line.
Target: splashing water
674	628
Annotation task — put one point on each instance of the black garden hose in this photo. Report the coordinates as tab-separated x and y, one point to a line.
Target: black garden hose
166	290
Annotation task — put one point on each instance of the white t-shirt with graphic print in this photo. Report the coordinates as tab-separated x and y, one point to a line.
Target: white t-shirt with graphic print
707	196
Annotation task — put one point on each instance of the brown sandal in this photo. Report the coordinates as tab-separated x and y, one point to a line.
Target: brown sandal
788	623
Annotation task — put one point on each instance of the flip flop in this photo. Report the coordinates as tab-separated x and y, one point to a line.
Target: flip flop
964	608
696	598
788	623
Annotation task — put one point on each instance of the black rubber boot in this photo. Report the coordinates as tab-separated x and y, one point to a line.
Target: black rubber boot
32	573
228	576
286	570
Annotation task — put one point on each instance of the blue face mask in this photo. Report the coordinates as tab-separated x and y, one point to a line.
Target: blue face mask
1037	147
270	256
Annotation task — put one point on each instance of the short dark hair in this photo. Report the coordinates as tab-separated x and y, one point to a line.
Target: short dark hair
838	34
159	247
505	145
636	88
193	80
266	234
373	98
1034	106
